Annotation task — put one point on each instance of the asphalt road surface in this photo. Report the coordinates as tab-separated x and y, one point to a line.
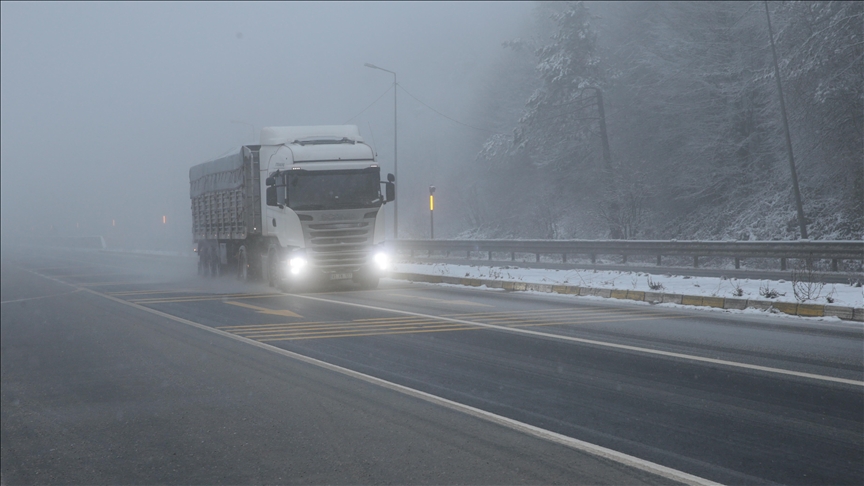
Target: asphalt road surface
131	369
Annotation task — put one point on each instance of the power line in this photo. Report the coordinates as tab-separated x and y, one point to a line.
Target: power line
447	117
370	105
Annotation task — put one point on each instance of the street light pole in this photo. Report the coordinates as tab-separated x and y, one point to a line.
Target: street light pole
395	146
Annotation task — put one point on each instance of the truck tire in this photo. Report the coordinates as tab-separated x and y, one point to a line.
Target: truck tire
215	266
201	265
272	269
204	264
242	265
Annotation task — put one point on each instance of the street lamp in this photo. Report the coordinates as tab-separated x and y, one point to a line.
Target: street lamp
395	166
249	125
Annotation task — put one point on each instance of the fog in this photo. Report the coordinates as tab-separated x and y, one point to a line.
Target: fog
105	106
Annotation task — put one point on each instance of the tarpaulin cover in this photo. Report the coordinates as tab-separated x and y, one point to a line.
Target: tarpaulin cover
222	174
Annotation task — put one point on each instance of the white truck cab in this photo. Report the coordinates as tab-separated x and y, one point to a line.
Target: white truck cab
323	205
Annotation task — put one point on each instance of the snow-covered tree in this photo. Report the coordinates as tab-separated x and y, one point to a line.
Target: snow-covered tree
693	123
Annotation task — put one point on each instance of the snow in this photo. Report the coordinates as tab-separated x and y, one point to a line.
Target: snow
841	294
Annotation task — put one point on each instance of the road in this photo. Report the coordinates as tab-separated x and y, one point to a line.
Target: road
129	369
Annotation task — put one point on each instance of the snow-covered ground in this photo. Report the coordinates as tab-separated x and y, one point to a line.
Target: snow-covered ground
830	294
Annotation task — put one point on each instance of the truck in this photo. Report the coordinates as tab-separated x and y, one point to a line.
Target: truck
304	207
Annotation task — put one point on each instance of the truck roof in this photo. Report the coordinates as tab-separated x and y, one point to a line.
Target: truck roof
323	143
287	135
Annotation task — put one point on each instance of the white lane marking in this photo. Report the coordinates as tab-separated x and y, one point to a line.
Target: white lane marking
524	428
599	343
40	297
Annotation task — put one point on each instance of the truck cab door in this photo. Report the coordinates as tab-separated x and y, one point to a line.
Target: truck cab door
279	220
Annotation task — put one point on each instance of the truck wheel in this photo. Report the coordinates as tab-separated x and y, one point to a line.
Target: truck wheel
272	269
204	266
242	265
215	266
201	266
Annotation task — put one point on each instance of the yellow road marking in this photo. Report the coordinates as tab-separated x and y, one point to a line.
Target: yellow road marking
261	326
200	298
445	301
281	331
591	310
102	284
470	328
575	319
342	330
513	317
404	325
384	319
572	319
86	275
145	292
319	325
264	310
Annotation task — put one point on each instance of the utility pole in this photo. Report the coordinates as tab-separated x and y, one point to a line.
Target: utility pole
395	151
801	222
607	155
604	137
609	205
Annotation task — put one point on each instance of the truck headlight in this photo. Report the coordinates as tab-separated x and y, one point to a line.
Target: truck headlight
296	265
382	260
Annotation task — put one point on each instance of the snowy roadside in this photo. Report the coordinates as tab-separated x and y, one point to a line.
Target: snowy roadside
727	288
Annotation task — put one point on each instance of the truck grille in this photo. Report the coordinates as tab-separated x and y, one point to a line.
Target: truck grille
339	245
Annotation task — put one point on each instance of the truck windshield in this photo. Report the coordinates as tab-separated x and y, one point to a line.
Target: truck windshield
334	189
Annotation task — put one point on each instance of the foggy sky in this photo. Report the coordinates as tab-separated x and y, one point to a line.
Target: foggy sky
105	106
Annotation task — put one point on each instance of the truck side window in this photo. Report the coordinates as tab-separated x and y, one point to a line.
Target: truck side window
271	196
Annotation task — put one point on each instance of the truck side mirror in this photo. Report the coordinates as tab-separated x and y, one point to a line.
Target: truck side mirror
389	190
271	181
391	178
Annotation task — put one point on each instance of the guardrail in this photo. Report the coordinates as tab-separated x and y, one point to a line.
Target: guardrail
80	242
739	250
